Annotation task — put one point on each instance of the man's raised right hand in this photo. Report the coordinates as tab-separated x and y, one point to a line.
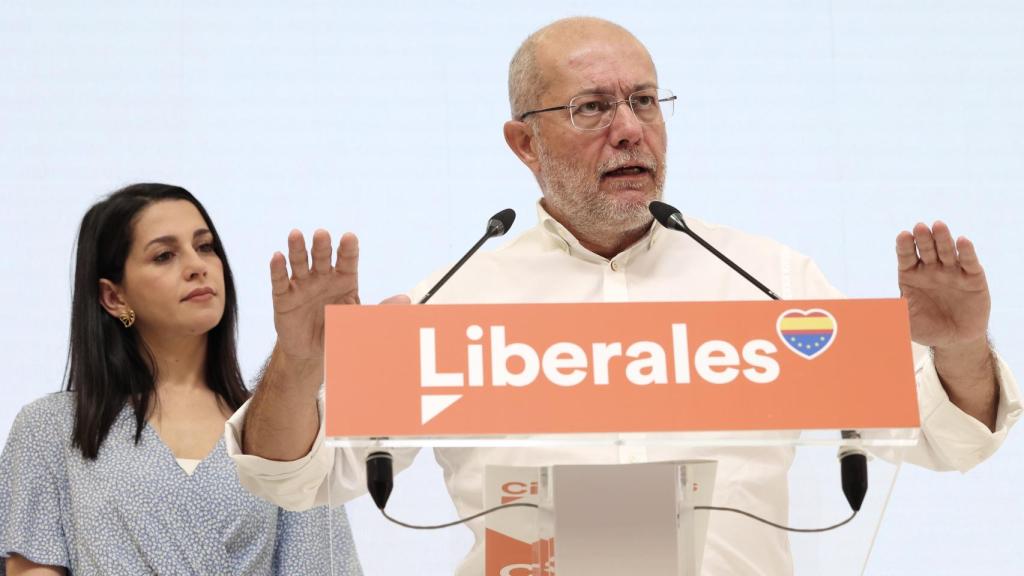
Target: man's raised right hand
299	299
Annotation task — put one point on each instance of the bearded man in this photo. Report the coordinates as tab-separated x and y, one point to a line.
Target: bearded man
588	119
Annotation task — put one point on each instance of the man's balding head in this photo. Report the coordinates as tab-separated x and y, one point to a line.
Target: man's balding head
530	71
597	181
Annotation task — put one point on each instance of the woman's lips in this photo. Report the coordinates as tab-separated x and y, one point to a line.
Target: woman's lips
199	295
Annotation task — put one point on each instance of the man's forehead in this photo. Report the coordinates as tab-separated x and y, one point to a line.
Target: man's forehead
601	67
582	49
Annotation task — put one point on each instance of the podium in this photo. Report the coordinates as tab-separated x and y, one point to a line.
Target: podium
605	519
610	413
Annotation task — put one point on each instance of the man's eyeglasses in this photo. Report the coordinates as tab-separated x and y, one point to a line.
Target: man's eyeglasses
597	111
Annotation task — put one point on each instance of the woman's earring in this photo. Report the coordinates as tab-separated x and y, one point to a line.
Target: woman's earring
127	318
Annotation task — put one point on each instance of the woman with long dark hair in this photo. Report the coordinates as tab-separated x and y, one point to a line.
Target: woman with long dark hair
125	472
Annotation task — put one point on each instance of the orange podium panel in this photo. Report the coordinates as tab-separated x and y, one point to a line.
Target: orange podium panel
538	369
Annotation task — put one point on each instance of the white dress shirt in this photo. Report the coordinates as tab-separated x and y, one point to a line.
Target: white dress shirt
547	264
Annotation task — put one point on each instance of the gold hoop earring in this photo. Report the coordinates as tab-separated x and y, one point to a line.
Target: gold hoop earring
127	318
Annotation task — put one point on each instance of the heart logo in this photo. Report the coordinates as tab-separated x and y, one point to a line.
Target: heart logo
808	333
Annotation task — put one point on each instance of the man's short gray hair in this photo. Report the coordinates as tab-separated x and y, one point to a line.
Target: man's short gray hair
525	81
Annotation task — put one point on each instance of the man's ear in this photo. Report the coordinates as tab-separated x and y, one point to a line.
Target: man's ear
112	299
520	138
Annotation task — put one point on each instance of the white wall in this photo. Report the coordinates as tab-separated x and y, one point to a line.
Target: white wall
828	125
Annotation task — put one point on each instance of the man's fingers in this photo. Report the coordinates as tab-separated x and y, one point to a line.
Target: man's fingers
321	252
906	253
397	299
925	243
969	261
348	254
944	243
297	254
279	282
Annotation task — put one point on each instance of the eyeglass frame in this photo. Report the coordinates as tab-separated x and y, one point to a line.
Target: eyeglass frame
614	104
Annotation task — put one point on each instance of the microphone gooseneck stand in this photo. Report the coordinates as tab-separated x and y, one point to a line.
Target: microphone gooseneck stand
853	461
379	468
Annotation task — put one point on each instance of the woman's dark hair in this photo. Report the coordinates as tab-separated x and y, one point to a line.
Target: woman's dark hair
110	366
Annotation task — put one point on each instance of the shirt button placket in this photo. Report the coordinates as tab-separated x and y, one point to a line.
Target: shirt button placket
615	282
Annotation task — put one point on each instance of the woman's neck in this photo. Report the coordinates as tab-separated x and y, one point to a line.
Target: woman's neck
179	361
185	413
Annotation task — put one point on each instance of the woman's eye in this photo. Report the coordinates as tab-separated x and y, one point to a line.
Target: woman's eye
163	256
208	247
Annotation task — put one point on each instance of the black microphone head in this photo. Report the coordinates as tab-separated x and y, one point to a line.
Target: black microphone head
379	477
500	223
668	216
854	475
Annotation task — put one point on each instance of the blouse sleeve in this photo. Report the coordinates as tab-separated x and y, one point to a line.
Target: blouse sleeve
30	490
305	540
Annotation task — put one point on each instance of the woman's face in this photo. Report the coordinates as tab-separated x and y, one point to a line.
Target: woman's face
173	279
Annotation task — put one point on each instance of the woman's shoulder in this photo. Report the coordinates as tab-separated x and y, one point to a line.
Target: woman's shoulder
49	408
53	413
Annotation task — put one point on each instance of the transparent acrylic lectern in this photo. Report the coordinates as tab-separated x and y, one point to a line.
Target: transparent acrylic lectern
625	497
622	423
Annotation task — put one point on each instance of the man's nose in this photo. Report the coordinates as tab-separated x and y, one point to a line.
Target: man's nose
625	130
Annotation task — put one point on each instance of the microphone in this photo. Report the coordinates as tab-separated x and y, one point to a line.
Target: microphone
498	225
853	469
852	460
669	217
379	469
379	477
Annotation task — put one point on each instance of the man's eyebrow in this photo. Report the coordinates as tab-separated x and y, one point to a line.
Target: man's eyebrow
610	90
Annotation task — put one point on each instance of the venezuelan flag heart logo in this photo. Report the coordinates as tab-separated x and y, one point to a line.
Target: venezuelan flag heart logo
807	332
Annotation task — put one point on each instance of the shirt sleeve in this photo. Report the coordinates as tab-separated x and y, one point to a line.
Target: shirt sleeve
31	476
314	542
950	438
324	476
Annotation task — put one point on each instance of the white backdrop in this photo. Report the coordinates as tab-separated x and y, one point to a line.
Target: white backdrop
828	125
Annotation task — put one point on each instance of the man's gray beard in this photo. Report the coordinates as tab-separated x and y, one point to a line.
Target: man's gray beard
575	194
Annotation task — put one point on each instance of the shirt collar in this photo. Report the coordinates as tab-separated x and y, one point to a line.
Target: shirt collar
560	237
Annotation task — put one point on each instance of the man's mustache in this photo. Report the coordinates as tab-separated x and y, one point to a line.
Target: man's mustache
635	158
